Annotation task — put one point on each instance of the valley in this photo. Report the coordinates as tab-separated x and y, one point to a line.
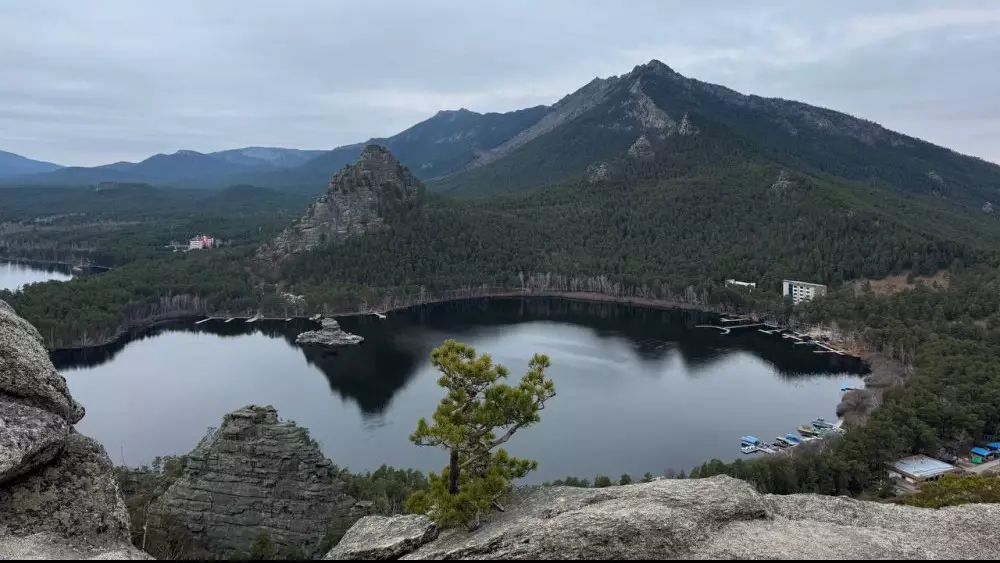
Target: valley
600	230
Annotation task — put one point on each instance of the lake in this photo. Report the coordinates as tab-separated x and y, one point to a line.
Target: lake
638	389
15	275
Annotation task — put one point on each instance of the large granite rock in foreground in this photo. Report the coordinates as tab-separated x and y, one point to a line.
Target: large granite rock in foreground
712	518
254	475
58	494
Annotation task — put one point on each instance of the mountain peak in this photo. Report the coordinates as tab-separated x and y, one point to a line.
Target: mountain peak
654	66
360	199
376	154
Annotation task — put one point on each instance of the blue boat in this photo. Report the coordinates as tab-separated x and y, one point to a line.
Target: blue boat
821	423
750	441
792	439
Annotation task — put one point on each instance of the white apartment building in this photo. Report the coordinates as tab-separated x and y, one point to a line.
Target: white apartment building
802	291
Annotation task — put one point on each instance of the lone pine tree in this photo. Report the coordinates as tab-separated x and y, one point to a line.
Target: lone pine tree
478	414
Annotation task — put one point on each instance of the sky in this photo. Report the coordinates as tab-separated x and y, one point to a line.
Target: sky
87	83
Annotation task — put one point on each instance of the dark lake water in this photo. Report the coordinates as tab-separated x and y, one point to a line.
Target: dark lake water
14	275
638	389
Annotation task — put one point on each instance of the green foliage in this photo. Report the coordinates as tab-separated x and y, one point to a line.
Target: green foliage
476	406
950	402
161	536
647	477
570	482
263	548
952	490
626	479
602	481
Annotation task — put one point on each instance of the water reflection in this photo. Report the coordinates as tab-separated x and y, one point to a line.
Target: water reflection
15	275
394	348
639	389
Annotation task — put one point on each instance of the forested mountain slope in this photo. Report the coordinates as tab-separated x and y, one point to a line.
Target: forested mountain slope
607	117
699	208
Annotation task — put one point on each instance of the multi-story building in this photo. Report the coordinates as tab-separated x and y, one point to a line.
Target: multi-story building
201	242
802	291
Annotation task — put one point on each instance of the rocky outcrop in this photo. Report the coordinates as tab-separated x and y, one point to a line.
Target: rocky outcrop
381	537
330	335
358	200
49	547
783	183
686	128
641	148
58	494
712	518
256	474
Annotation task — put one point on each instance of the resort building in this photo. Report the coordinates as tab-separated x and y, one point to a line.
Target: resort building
201	242
920	469
802	291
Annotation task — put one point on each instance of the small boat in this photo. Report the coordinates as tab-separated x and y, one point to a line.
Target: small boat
748	449
379	315
807	430
784	442
792	439
821	423
767	450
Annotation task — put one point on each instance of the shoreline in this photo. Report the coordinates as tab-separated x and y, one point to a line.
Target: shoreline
585	297
853	407
69	265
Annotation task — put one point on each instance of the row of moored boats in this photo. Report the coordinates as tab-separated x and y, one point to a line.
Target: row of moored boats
817	429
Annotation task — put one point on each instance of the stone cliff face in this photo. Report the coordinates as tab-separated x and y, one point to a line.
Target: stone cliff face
358	200
58	494
717	518
256	474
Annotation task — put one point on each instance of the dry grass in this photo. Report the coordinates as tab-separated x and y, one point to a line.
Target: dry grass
892	285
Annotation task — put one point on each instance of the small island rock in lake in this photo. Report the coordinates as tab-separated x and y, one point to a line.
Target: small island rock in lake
330	335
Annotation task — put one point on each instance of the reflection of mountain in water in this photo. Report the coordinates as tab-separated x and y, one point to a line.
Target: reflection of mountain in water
396	348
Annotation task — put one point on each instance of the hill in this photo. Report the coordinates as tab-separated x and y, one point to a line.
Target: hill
183	168
607	117
435	147
12	165
693	211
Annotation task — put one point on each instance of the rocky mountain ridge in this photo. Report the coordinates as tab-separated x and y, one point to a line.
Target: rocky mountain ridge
715	518
468	153
58	495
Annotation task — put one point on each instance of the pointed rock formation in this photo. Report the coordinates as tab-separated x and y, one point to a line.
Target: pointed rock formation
358	201
256	474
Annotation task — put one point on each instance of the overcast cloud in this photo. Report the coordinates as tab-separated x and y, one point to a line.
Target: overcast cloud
85	83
